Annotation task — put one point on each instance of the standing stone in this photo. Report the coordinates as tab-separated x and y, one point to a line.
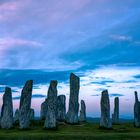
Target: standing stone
50	121
43	110
83	112
61	108
72	114
32	113
7	110
105	121
25	105
136	111
115	115
16	117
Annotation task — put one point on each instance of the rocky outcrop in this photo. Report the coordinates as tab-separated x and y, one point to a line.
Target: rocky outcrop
32	114
72	114
136	111
115	115
83	112
105	121
61	108
25	105
43	110
16	116
50	121
7	110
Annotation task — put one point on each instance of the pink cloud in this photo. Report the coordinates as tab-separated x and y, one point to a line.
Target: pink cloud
61	11
10	9
6	43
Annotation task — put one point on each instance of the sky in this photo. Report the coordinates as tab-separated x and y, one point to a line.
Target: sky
98	40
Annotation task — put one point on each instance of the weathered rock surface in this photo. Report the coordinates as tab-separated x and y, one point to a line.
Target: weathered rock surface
32	114
72	114
7	110
50	121
16	116
25	105
115	115
61	108
43	110
136	111
83	112
105	121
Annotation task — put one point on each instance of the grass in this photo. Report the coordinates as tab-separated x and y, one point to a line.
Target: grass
85	131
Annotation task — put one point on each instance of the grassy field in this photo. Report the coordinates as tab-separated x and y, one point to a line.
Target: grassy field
85	131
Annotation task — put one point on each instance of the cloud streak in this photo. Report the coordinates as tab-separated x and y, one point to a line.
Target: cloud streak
33	96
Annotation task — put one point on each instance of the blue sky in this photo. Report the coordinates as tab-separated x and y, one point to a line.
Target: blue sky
99	40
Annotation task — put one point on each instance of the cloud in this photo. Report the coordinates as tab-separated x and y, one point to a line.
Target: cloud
130	81
10	9
137	76
121	38
110	95
64	34
116	95
6	43
19	77
103	82
96	95
33	96
137	43
2	89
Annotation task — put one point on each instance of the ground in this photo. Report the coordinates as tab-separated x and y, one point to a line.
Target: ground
85	131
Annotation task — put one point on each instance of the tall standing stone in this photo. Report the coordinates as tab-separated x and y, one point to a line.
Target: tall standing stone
83	112
72	114
16	116
61	108
105	121
136	111
115	115
25	105
32	114
50	121
7	110
43	111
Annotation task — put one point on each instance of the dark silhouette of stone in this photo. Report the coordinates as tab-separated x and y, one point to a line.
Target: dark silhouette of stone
43	110
72	114
16	116
115	115
136	111
32	114
25	105
83	112
105	121
7	110
61	108
50	121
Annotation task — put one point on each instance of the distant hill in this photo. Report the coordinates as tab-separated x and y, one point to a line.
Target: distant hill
97	120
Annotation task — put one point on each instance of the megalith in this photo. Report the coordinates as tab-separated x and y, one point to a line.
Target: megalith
105	121
7	110
72	114
61	108
115	115
136	111
25	105
83	111
50	121
16	116
43	110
